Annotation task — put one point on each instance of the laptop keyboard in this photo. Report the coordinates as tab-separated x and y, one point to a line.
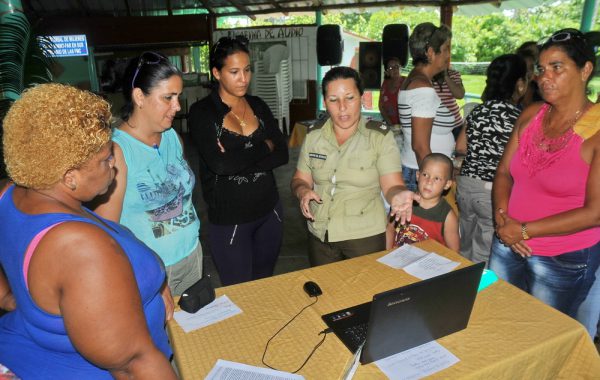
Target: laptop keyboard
357	333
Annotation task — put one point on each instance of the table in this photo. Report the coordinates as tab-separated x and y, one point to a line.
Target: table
298	133
510	335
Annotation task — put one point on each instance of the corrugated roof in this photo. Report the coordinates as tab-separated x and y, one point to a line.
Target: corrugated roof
117	8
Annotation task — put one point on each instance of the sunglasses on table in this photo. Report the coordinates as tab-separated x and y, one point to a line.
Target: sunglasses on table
147	58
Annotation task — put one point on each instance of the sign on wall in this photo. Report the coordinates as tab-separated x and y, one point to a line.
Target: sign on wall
301	41
69	46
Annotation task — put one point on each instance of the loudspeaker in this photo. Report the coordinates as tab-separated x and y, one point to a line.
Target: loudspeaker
369	64
395	42
330	45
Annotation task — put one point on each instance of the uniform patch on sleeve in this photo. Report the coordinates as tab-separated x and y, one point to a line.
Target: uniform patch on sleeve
318	155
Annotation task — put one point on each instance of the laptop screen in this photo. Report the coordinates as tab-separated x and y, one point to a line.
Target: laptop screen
411	315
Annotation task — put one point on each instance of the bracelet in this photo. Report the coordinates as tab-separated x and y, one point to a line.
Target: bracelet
524	233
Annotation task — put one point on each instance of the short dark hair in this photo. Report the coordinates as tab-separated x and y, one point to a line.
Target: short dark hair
528	50
574	44
427	35
502	76
341	72
441	158
225	47
145	72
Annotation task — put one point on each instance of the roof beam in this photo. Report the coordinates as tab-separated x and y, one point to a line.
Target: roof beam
324	7
277	7
207	7
243	10
320	7
317	4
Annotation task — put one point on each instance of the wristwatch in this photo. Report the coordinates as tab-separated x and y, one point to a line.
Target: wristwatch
524	233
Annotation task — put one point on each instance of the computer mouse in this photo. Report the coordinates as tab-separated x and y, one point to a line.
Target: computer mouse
312	289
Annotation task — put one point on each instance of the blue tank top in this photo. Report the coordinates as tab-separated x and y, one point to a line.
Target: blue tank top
33	343
158	200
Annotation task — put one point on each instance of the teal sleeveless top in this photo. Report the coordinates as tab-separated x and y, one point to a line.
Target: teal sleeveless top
157	206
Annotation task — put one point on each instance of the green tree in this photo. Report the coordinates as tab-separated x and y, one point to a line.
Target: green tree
479	38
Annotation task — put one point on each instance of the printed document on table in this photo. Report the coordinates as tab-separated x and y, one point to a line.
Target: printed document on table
216	311
226	370
418	362
402	256
430	266
417	262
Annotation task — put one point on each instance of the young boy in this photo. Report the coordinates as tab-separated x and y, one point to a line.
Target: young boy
432	218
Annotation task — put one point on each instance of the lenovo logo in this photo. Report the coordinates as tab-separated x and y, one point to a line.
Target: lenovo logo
401	300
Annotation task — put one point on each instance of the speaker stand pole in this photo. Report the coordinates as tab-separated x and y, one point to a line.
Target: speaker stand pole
319	21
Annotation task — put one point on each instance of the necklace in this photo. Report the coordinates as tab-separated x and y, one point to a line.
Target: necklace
55	199
538	151
152	140
78	211
240	121
553	144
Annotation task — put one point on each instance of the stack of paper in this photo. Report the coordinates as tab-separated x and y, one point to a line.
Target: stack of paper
418	262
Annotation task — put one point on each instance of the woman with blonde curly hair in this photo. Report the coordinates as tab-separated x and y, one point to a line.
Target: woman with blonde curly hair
83	294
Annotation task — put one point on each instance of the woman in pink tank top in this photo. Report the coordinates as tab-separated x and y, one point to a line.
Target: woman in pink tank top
547	187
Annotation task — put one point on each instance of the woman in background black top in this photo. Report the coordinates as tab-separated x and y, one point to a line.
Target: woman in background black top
239	145
486	133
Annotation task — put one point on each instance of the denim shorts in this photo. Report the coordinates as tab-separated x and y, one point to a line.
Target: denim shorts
409	176
561	281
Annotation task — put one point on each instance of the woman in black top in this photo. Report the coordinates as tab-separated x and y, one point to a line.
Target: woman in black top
239	145
488	128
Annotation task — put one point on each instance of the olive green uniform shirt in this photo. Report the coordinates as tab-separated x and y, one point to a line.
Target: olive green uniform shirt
347	179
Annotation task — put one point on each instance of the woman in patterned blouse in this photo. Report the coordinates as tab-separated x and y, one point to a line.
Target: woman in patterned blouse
488	128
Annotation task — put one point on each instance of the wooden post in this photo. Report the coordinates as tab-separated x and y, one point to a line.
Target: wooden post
446	15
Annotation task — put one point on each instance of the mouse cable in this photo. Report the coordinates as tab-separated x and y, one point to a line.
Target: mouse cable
324	332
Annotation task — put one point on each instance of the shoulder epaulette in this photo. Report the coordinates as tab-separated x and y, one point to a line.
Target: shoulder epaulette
377	126
318	124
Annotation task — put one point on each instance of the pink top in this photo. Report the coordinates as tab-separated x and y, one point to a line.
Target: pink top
548	183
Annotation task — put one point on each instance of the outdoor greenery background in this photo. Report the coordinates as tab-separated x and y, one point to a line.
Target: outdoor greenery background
475	38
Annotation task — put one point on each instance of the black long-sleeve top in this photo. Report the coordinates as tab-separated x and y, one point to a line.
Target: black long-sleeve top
238	185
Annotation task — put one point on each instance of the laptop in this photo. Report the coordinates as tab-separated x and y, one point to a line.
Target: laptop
406	317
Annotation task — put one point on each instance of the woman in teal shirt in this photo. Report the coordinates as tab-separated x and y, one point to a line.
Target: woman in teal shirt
152	195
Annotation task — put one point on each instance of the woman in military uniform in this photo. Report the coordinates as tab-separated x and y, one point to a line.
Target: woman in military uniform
343	168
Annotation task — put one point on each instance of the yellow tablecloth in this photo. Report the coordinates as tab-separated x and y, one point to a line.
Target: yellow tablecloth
511	335
298	135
